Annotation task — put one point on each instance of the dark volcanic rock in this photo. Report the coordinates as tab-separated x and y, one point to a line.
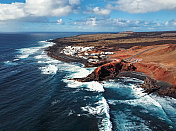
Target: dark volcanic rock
107	71
150	85
170	91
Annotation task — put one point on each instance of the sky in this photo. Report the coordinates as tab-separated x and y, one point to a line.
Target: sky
87	15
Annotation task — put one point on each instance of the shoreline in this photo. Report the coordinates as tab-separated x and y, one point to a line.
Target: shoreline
166	88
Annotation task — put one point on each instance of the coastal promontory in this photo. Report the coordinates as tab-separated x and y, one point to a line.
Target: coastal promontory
152	53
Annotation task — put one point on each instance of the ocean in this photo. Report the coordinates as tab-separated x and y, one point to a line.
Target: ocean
36	95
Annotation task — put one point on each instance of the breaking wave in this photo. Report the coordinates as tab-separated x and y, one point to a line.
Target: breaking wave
100	108
47	64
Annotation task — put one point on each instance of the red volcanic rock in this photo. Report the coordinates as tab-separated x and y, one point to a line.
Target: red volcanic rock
107	71
155	71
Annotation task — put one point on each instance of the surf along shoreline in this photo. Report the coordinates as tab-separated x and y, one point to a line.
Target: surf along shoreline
144	55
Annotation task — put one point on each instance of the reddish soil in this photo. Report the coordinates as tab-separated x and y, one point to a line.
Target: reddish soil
159	62
153	53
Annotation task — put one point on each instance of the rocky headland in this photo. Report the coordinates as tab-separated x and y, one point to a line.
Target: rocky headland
120	54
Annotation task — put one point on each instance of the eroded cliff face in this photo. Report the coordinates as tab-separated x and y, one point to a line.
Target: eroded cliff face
111	70
152	53
157	72
107	71
157	61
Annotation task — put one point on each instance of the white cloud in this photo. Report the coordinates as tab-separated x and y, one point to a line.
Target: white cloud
47	7
37	8
116	23
166	23
174	22
91	21
158	24
11	11
171	23
74	2
99	11
143	6
60	21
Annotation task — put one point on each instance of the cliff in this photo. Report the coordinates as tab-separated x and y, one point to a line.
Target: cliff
107	71
152	53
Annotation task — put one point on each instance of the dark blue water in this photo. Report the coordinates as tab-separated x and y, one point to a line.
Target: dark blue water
35	93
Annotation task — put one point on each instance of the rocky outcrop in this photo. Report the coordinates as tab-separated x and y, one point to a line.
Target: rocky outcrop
107	71
170	91
152	86
155	52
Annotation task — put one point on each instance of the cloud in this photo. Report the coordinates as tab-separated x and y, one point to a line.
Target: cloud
47	7
171	23
99	11
144	6
37	8
89	21
60	21
116	24
74	2
166	23
11	11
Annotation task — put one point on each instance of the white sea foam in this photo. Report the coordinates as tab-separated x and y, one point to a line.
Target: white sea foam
26	52
129	79
141	98
149	104
16	59
45	44
54	102
137	91
48	65
75	71
168	105
100	110
38	57
163	108
49	69
71	113
101	107
22	56
11	63
94	86
89	86
72	84
124	122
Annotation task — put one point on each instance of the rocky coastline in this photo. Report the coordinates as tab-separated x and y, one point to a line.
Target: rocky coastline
120	54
